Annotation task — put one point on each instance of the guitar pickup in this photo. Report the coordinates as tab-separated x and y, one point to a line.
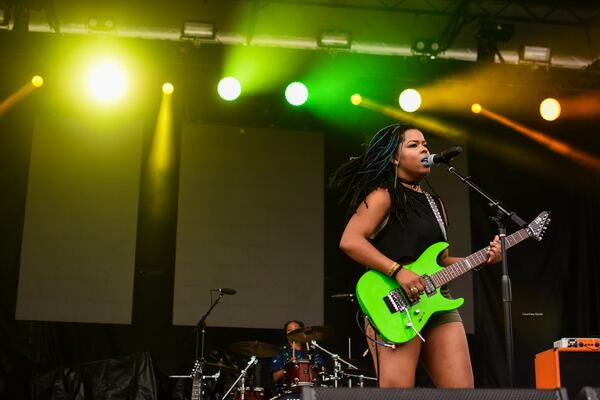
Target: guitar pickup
394	301
429	285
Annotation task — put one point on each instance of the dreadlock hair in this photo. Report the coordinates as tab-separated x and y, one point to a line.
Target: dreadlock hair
372	170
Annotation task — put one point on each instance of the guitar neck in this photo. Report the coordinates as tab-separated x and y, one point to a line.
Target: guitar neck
196	388
463	266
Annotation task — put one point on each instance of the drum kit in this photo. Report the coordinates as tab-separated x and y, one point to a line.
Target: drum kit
298	372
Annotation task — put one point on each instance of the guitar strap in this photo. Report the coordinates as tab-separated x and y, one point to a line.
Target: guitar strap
437	214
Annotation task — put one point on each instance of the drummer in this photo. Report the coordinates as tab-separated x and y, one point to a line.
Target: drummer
291	352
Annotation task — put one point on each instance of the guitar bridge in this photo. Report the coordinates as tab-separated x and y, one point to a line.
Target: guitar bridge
429	285
394	301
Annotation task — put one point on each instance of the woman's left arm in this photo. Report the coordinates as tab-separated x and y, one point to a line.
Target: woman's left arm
493	249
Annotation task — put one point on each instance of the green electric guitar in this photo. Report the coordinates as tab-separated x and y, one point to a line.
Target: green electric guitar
397	318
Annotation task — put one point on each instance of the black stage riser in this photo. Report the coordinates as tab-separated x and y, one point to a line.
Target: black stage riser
432	394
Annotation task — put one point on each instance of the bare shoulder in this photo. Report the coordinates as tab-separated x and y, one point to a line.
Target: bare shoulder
378	201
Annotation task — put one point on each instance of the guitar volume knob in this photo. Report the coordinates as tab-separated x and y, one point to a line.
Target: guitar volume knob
417	311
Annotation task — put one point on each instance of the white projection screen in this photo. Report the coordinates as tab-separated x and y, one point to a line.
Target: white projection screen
250	217
78	249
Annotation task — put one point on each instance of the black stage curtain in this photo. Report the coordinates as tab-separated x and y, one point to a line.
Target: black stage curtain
555	282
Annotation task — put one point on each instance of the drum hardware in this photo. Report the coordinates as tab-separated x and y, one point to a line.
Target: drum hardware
242	379
222	366
337	364
310	333
254	348
200	330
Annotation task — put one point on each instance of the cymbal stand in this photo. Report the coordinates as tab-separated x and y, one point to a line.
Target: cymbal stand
337	366
361	378
242	377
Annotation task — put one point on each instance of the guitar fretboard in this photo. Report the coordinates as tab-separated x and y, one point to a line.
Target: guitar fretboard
457	269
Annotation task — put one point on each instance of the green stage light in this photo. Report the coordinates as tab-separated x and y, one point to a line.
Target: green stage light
410	100
296	93
229	88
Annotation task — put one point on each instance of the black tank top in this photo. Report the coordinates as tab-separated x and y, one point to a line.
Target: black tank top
404	243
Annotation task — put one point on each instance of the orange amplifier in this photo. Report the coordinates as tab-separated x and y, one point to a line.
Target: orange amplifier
571	367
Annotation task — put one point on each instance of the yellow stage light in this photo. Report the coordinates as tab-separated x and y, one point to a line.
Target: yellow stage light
37	81
107	82
550	109
168	88
356	99
476	108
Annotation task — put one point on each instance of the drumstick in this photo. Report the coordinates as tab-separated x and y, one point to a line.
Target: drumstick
293	350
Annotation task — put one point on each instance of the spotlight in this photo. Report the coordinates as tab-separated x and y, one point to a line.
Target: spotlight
550	109
535	54
37	81
107	82
296	93
356	99
198	30
168	88
4	16
101	24
335	39
476	108
229	88
428	47
410	100
488	34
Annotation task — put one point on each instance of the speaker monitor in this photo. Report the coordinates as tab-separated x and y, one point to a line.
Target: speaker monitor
429	394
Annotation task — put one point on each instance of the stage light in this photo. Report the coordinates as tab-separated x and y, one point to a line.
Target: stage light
37	81
198	30
101	24
488	34
428	47
535	54
296	93
168	88
4	16
229	88
476	108
410	100
107	82
550	109
335	39
356	99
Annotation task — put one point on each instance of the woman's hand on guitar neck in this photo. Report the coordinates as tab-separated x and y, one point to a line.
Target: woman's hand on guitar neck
493	252
411	283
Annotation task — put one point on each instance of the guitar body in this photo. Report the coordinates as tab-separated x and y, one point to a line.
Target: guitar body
394	327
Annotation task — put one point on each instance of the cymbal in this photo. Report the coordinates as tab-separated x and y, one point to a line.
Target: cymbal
254	348
222	366
308	333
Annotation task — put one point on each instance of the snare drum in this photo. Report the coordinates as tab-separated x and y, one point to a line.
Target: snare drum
256	393
301	373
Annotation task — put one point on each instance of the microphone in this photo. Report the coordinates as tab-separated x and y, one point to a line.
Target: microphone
225	290
346	296
444	157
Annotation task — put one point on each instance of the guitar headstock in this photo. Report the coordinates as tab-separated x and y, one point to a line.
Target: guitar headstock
196	370
537	227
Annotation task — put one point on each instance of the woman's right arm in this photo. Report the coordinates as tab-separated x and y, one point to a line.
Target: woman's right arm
360	227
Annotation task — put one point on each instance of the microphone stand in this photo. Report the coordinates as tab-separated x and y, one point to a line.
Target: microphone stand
502	216
202	325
